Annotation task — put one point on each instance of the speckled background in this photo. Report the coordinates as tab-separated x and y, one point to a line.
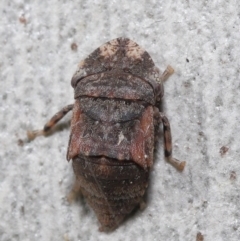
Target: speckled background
200	39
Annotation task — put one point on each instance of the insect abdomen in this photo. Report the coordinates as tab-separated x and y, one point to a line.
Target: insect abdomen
112	188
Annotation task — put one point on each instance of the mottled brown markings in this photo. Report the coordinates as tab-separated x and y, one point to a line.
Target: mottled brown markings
116	86
114	127
108	194
143	143
134	51
108	50
96	63
90	138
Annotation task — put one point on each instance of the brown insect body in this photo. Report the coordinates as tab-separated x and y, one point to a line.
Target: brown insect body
113	128
112	188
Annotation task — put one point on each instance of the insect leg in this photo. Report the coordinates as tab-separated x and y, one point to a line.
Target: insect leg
51	123
76	190
142	205
168	145
166	74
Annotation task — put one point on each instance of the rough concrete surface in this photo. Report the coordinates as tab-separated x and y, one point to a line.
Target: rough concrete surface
199	39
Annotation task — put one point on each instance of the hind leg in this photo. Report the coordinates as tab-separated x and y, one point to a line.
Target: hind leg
75	192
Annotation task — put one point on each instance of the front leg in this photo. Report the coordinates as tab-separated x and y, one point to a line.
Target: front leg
50	124
167	73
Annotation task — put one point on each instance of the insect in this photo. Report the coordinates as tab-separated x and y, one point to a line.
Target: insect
114	128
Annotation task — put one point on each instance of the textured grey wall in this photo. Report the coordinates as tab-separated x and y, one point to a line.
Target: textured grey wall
200	39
